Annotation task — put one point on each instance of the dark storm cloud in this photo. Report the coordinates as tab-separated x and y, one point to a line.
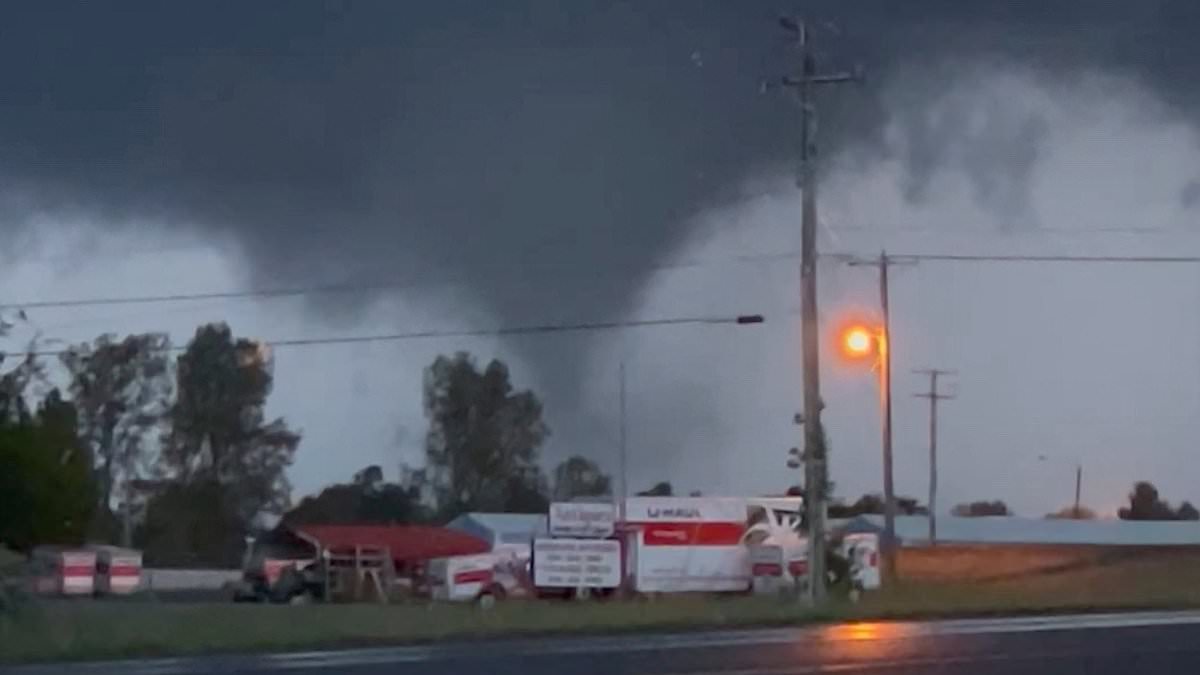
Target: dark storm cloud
563	143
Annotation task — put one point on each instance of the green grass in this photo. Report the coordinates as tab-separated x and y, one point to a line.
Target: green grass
10	561
62	630
72	630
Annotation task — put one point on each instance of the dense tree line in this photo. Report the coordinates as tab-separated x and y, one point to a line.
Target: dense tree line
175	454
180	448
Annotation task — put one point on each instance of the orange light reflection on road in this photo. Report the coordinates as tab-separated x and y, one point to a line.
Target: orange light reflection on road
859	641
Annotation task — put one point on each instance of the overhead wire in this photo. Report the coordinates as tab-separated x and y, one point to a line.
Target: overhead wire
533	329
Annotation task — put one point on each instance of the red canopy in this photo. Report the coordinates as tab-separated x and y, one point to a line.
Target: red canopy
408	543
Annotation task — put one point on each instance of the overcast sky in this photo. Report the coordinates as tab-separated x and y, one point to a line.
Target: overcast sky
517	163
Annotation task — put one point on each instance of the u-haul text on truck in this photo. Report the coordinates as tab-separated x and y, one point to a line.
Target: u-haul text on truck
702	544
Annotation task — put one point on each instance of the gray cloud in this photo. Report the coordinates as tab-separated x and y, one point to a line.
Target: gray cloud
546	154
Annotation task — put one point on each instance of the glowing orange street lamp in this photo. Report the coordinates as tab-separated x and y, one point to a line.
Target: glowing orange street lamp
858	342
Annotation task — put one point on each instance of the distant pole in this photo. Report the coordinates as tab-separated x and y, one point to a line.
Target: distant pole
884	263
126	523
934	396
814	437
1078	486
623	447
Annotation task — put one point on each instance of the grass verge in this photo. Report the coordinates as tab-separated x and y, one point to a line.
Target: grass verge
66	630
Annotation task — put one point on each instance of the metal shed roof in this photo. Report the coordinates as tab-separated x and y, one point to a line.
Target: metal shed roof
407	543
502	528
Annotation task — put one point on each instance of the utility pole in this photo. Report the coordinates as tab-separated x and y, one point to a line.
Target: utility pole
1078	486
623	447
888	545
885	399
934	396
814	436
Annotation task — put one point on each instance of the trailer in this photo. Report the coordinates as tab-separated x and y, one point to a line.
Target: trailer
63	571
484	578
703	544
118	570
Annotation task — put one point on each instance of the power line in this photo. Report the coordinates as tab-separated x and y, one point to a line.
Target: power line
536	329
758	258
955	257
348	287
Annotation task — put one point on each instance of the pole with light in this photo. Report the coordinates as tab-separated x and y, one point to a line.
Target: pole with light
1076	510
739	320
859	343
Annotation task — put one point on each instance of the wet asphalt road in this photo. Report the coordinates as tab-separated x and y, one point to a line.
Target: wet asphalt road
1156	644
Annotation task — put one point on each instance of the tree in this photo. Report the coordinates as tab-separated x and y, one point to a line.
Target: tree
872	504
481	450
662	489
1072	513
580	477
368	499
16	378
981	509
218	432
46	490
1187	512
122	391
194	524
1144	504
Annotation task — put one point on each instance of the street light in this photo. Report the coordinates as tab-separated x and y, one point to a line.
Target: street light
860	342
738	320
865	342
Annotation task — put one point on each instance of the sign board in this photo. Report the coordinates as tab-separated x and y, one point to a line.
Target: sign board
576	563
572	519
686	510
766	561
862	550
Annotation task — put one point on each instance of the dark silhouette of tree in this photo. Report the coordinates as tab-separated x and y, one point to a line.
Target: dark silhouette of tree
481	450
368	499
218	430
1187	512
580	477
981	509
662	489
122	390
872	504
46	490
1145	504
194	524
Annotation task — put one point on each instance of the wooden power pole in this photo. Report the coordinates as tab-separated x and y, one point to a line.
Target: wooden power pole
934	396
815	480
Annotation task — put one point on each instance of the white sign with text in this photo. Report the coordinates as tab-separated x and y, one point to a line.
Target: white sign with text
582	519
576	563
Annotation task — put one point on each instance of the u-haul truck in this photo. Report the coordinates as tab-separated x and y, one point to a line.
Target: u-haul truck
703	544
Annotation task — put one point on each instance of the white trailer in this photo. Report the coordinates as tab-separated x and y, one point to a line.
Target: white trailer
118	570
702	544
62	571
483	578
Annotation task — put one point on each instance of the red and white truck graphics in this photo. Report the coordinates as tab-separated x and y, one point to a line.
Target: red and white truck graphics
118	570
702	544
479	577
58	571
